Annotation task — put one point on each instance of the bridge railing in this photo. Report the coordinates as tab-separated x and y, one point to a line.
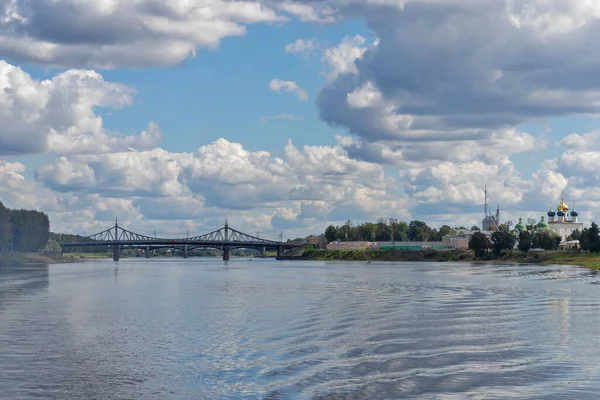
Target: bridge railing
221	235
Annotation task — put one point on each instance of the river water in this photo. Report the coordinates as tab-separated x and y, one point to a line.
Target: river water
263	329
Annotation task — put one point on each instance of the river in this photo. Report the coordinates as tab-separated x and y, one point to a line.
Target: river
264	329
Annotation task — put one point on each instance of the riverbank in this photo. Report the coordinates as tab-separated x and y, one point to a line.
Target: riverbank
587	260
33	258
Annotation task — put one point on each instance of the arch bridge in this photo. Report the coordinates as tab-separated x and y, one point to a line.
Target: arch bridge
224	239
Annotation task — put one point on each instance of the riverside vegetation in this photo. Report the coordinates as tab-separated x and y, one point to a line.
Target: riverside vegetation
581	258
504	246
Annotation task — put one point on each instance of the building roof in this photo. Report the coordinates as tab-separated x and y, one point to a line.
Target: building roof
543	224
520	226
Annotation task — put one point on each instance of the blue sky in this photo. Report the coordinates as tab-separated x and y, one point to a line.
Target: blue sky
408	115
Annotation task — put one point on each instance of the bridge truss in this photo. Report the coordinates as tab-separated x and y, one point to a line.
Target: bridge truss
224	239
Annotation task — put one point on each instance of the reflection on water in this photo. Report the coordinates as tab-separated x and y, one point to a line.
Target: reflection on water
182	329
18	280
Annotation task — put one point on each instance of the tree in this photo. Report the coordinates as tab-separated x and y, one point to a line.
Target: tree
590	240
504	228
4	228
479	243
524	241
502	240
475	228
367	231
545	240
445	230
418	231
576	235
53	246
382	232
401	231
330	234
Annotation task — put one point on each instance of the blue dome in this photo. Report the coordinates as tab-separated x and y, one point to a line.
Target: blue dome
551	213
561	214
574	213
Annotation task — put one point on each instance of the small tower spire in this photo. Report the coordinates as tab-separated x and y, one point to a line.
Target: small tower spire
486	203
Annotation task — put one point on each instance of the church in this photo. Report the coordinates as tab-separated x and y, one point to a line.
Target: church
561	221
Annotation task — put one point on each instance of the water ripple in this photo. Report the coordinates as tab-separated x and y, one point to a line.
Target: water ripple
156	329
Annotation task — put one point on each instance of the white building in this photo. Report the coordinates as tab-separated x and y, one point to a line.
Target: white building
562	222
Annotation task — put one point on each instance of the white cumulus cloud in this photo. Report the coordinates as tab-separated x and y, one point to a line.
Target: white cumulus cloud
111	34
278	85
58	114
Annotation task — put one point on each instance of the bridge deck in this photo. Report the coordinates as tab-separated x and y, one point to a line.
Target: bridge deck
224	238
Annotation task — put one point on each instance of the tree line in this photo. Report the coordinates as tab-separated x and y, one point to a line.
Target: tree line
589	240
387	231
23	230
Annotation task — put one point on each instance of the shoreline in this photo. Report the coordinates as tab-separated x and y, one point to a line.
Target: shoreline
36	258
586	260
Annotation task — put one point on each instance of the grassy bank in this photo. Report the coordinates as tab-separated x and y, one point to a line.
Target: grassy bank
389	255
86	256
32	258
587	260
550	257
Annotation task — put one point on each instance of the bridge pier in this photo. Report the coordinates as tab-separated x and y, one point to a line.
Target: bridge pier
226	253
116	239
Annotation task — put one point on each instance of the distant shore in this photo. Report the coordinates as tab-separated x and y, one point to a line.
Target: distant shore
31	258
587	260
582	259
40	258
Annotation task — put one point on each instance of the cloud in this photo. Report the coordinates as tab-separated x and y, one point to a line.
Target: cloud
58	115
277	85
289	117
309	13
145	173
491	148
111	34
342	57
224	176
301	46
587	141
427	79
18	192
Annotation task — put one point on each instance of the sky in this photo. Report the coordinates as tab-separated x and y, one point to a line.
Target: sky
288	116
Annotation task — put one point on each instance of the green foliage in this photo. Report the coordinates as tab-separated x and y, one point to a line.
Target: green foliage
480	244
545	240
23	230
445	230
576	235
383	231
504	228
524	241
388	255
70	238
330	234
53	245
4	228
502	240
418	231
589	239
475	228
